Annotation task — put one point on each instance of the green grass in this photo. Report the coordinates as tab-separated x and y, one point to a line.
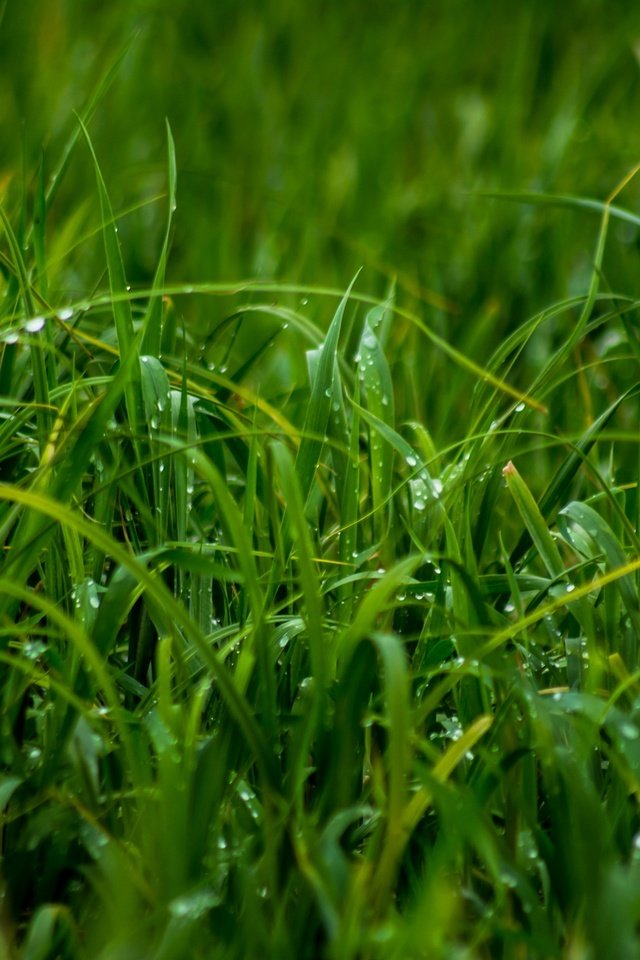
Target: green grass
320	595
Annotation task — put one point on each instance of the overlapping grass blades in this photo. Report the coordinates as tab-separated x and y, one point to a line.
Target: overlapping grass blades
286	670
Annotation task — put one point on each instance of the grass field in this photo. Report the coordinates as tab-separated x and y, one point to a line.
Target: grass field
319	460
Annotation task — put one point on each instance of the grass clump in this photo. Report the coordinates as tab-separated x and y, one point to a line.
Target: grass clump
291	666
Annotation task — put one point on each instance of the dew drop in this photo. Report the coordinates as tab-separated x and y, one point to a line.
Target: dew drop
630	731
34	325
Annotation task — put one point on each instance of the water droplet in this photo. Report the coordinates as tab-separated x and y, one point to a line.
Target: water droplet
33	648
571	587
192	906
411	460
34	325
65	314
519	408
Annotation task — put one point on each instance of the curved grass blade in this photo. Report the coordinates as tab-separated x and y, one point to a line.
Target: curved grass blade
120	303
375	377
176	618
319	405
41	379
606	543
152	324
560	485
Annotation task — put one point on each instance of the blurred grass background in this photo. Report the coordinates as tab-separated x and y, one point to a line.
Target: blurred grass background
313	138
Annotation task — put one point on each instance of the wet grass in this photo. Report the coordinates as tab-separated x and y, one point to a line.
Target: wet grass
320	602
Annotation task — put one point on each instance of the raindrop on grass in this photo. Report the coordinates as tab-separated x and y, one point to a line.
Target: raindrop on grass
192	906
33	648
630	731
34	325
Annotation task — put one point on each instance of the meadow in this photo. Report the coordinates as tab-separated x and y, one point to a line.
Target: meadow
319	460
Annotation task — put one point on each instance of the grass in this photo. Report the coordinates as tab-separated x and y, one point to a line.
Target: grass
319	603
